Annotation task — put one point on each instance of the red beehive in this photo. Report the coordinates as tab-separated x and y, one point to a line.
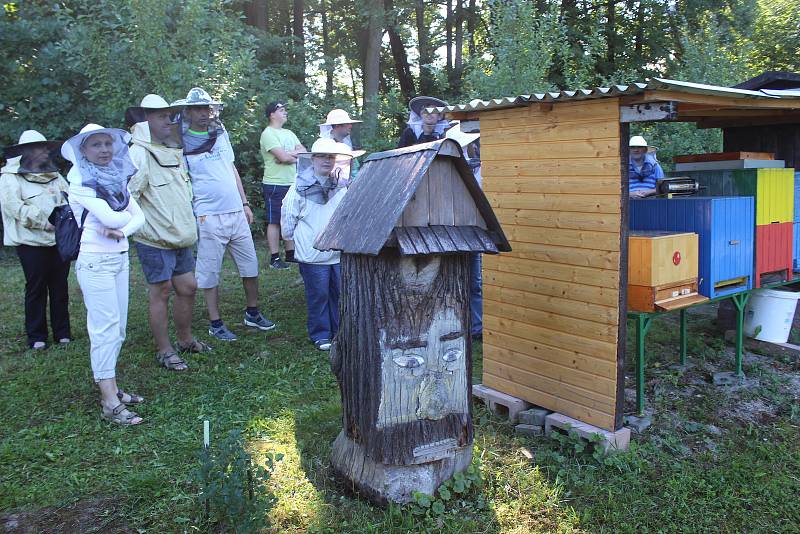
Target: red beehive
773	250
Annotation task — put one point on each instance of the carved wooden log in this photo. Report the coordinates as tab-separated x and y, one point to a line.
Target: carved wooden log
403	360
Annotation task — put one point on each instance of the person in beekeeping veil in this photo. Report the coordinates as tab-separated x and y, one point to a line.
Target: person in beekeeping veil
30	187
98	184
318	189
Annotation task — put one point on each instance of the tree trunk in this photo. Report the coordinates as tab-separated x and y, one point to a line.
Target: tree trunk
403	361
611	36
372	65
425	52
448	24
639	39
299	40
472	15
458	60
326	50
255	12
402	69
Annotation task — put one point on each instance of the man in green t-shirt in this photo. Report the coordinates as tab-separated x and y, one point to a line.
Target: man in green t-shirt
279	149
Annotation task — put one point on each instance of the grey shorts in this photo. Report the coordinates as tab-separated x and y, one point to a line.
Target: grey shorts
218	233
160	265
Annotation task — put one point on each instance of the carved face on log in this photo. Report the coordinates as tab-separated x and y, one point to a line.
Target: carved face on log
402	356
425	377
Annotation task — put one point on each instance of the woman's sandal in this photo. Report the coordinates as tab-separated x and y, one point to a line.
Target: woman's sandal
121	415
196	347
170	360
132	398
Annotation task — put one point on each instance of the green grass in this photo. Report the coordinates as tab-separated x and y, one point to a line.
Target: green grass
701	467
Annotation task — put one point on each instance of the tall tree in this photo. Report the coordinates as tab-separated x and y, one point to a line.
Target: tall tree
425	49
255	12
299	40
326	49
401	66
372	64
458	59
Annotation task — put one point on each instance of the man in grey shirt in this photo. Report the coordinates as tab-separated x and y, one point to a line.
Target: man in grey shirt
222	210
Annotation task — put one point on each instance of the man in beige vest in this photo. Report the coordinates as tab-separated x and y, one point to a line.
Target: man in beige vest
165	243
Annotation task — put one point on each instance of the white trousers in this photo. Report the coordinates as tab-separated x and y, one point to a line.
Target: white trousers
103	278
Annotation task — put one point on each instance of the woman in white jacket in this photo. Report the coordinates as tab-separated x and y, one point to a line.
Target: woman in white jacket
99	184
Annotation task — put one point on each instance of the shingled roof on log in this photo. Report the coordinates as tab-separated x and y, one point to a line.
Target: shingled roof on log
367	218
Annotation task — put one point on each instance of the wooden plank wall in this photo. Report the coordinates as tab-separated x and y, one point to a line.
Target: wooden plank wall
552	305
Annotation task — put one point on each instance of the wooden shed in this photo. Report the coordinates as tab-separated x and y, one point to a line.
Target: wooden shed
554	169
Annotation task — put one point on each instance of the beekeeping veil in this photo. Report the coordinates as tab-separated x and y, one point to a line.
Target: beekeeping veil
337	117
33	156
157	130
106	179
415	107
194	141
323	171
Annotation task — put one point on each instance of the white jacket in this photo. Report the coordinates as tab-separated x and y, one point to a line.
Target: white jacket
302	221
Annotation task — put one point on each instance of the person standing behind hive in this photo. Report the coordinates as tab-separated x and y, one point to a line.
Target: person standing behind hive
279	149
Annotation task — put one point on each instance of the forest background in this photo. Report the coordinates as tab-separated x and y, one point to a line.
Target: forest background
67	63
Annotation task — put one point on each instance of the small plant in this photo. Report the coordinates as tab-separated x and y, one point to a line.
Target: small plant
451	494
233	492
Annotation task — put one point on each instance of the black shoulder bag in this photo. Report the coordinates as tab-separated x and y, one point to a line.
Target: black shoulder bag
68	232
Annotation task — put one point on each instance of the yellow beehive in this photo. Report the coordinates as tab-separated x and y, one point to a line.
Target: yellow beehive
661	258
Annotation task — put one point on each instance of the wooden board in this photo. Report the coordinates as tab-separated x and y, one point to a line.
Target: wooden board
722	156
552	305
646	298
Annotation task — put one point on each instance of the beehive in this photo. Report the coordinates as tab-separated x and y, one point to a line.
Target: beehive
657	258
662	270
726	231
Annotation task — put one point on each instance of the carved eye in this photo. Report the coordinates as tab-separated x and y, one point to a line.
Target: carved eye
451	355
409	362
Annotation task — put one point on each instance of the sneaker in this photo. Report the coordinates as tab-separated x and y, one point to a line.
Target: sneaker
222	333
38	345
278	264
291	259
258	321
323	344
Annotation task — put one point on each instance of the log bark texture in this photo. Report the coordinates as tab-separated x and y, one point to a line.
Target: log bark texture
403	360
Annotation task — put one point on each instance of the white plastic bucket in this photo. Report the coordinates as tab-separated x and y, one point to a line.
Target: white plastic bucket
769	314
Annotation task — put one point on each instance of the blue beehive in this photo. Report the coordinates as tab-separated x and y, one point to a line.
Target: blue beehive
726	227
796	198
796	247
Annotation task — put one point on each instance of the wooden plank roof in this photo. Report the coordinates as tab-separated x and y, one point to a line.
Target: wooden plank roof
366	218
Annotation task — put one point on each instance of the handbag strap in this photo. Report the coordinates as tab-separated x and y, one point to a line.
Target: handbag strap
83	215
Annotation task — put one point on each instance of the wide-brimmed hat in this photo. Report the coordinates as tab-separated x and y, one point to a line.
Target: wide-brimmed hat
197	97
150	102
339	116
29	139
417	104
330	146
70	148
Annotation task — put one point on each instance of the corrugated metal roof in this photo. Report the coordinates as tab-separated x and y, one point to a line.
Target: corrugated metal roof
618	90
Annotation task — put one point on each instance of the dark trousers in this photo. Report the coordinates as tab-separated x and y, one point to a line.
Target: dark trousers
476	295
45	275
322	299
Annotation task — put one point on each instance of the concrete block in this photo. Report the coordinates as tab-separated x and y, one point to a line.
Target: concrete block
727	378
500	404
637	424
533	416
529	430
611	441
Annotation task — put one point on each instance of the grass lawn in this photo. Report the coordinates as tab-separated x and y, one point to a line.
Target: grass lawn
715	459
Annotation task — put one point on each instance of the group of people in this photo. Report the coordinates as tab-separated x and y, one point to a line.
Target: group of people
171	184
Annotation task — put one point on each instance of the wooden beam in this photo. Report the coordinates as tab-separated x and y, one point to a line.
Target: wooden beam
649	111
722	101
785	118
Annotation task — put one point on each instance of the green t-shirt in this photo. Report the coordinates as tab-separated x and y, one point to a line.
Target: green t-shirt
277	173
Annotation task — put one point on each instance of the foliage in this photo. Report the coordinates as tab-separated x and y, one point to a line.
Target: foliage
233	492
